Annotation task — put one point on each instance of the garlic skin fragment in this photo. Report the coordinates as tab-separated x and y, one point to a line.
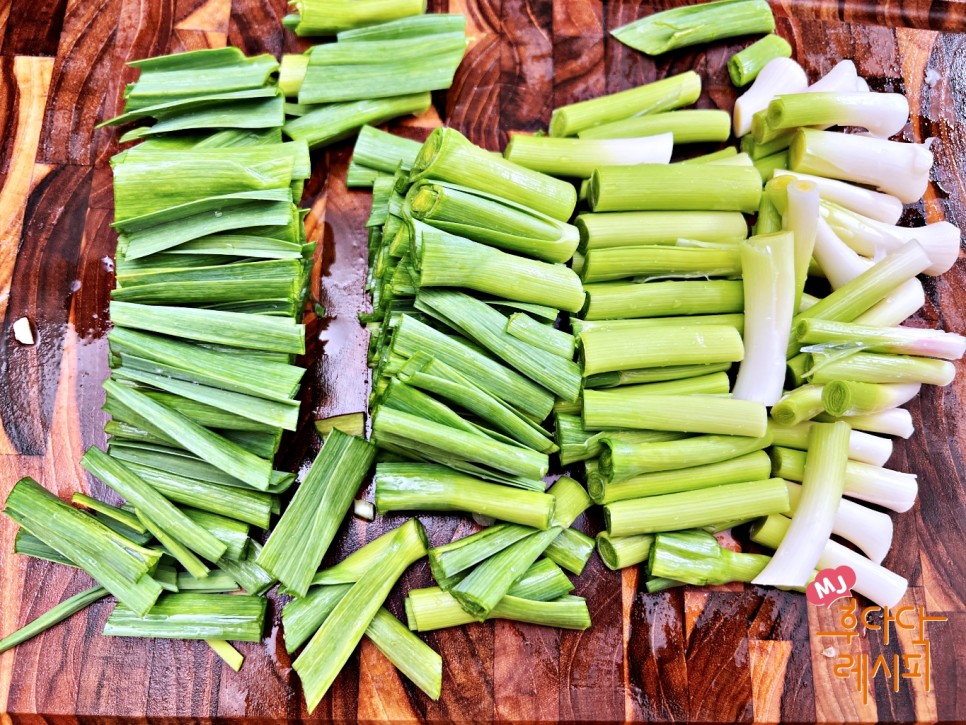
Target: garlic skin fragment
23	331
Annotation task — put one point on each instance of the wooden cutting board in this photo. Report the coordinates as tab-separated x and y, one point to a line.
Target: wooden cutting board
726	654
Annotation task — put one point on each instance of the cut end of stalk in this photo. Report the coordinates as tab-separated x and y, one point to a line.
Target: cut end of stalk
607	552
837	397
424	201
427	153
471	605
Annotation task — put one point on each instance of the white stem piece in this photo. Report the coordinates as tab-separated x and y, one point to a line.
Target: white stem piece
822	486
843	77
893	422
840	263
870	237
873	581
801	219
900	169
781	75
880	486
364	509
901	304
768	273
870	530
874	204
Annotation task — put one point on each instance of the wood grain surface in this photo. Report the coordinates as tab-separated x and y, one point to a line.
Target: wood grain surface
725	654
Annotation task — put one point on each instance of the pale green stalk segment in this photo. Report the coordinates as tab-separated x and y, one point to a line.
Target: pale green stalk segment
249	575
604	350
621	460
229	655
231	532
475	448
487	327
618	409
842	397
570	157
329	17
571	550
429	374
411	336
578	444
413	657
852	299
753	466
767	165
446	260
638	228
692	25
675	187
291	73
894	340
490	219
546	337
572	500
184	556
422	487
615	300
694	509
353	424
299	541
873	368
54	615
193	616
663	95
236	372
695	557
450	559
256	332
799	405
544	581
822	487
612	263
217	450
689	126
486	585
119	565
333	644
333	122
382	151
215	582
433	608
620	552
448	156
152	504
119	515
745	65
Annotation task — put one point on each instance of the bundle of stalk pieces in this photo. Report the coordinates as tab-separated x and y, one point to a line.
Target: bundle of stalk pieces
370	74
677	295
212	269
463	377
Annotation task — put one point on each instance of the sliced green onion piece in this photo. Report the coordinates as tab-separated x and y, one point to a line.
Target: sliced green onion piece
611	263
571	550
872	368
604	350
637	228
749	467
695	557
353	424
884	114
523	327
620	460
894	340
617	409
579	157
434	608
193	616
620	552
448	156
299	541
799	405
673	187
334	642
694	509
609	301
745	65
689	126
52	616
842	397
231	656
331	122
421	487
822	487
663	95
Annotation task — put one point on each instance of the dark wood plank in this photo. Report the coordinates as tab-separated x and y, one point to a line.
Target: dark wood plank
45	268
33	28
